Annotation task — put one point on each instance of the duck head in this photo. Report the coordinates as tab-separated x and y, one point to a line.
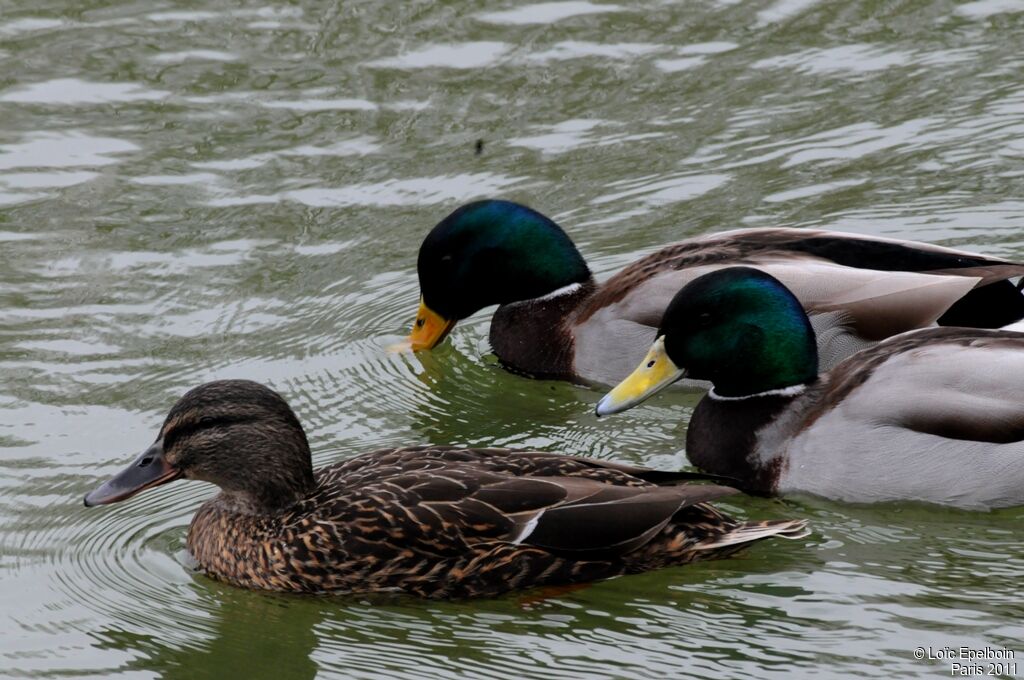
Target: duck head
739	328
489	253
237	434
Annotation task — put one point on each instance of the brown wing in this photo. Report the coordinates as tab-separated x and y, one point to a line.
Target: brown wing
615	520
440	499
586	517
386	463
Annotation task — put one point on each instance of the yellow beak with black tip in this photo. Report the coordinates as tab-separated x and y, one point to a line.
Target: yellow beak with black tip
429	329
654	374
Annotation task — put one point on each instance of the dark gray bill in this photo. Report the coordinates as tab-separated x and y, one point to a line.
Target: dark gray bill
148	470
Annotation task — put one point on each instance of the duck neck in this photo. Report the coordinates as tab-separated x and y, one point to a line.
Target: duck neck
725	432
534	336
269	502
272	484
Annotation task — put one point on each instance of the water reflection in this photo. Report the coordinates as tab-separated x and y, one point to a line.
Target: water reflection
638	624
244	635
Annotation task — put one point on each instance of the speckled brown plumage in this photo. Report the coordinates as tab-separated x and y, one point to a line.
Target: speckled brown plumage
443	521
432	521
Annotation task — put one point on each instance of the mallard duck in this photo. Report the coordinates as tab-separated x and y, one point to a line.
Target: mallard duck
932	415
434	521
556	321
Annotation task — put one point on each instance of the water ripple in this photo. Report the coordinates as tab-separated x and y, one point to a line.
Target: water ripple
547	12
72	91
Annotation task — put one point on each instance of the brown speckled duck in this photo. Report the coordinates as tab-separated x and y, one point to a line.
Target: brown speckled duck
555	320
433	521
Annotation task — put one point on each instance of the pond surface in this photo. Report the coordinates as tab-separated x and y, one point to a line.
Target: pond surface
239	189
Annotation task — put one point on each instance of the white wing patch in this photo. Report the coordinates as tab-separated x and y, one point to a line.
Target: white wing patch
528	528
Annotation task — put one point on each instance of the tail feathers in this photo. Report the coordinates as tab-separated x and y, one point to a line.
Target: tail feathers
989	306
755	531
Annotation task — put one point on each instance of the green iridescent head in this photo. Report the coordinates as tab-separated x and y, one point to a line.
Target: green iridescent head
489	253
494	252
743	330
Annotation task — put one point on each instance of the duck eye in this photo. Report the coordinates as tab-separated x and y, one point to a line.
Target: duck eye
704	319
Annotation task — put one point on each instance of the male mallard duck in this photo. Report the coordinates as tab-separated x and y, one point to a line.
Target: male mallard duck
933	415
435	521
555	321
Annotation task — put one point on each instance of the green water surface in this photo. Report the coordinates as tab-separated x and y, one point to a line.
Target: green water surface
225	189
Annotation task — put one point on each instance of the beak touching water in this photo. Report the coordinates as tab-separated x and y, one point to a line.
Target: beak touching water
429	329
654	374
148	470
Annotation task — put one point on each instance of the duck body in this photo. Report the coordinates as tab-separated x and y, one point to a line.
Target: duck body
857	289
451	522
932	415
431	521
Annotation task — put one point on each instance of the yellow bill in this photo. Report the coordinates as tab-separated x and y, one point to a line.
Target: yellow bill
654	374
429	329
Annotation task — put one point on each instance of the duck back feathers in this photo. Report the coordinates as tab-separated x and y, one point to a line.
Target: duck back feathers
857	291
750	246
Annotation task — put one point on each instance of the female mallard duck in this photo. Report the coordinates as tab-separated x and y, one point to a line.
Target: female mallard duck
934	415
555	321
435	521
